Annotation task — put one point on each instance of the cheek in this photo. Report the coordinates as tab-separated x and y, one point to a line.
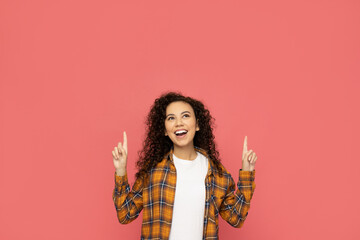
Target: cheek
167	127
192	124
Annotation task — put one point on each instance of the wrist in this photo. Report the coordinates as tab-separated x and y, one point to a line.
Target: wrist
246	169
121	172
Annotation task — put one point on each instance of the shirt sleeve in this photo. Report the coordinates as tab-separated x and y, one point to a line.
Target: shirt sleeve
236	205
128	204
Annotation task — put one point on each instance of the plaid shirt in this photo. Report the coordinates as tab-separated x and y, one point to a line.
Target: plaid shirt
155	195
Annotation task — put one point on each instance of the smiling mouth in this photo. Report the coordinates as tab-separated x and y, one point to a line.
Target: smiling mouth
181	133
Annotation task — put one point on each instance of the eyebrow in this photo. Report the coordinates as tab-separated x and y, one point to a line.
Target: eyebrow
181	113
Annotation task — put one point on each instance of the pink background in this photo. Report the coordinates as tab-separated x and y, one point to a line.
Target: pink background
75	74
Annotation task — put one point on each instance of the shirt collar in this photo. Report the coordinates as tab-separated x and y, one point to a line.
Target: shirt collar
169	157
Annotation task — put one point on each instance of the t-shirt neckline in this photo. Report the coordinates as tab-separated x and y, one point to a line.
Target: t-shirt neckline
185	160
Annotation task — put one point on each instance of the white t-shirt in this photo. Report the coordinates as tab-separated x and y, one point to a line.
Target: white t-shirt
189	204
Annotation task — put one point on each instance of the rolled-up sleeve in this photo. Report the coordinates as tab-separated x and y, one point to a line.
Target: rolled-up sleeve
236	205
128	203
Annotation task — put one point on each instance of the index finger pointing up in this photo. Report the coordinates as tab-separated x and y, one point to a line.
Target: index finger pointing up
125	141
245	145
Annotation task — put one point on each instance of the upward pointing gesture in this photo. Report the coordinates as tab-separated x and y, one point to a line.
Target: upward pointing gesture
248	158
120	157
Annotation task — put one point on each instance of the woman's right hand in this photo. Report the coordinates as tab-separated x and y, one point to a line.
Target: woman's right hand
120	157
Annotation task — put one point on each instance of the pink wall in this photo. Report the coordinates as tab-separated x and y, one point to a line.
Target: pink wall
75	74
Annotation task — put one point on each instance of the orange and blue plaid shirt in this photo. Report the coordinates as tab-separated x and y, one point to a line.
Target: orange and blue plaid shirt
155	196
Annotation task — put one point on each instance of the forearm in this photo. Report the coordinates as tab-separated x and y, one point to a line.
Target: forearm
246	184
236	205
128	204
121	172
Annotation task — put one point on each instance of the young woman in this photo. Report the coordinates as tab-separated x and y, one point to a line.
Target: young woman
181	185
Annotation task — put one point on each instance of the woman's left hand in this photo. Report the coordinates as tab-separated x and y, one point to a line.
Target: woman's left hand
248	158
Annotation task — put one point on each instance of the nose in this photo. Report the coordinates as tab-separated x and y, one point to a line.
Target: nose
178	121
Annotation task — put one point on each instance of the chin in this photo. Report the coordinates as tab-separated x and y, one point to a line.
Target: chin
183	144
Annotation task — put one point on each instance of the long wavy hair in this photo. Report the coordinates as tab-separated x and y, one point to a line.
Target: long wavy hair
156	144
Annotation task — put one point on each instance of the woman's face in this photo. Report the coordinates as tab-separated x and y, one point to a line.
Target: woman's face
180	116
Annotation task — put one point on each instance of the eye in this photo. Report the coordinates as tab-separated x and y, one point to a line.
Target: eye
170	118
187	115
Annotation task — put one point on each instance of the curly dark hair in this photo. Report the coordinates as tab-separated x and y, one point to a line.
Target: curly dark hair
156	144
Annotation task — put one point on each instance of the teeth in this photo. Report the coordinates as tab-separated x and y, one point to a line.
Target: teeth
181	131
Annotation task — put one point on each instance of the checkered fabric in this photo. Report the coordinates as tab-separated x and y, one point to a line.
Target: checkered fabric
155	194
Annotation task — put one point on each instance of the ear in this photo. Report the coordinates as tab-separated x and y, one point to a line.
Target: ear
197	125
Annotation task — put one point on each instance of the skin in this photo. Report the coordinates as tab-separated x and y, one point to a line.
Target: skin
120	157
248	158
179	115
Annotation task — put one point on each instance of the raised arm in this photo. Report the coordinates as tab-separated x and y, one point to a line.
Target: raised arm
235	206
128	204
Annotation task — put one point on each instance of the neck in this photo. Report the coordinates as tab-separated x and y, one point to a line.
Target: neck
185	153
